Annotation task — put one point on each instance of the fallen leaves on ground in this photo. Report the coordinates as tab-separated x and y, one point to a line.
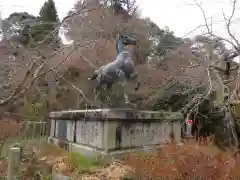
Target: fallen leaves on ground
115	171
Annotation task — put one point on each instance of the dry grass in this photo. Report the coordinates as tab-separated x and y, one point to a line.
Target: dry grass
185	162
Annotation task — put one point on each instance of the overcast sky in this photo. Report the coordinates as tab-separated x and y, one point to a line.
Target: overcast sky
177	14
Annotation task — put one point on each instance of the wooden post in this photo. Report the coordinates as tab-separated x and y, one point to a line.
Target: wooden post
34	131
42	131
13	163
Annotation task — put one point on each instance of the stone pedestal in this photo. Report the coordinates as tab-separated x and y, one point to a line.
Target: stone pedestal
109	131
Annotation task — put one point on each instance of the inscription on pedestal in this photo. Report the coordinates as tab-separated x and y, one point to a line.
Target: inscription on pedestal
89	132
141	134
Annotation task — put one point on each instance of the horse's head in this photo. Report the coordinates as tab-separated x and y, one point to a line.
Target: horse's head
124	40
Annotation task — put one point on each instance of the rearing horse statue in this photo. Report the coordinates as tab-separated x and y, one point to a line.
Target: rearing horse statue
121	69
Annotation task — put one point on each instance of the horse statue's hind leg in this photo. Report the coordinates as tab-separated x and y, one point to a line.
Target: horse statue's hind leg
96	75
122	80
100	86
135	77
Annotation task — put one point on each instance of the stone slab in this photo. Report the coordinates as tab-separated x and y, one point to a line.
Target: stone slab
113	114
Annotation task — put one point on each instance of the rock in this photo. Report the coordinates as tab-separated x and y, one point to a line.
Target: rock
43	158
58	176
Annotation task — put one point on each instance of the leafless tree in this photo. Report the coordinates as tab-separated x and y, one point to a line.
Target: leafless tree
223	71
35	63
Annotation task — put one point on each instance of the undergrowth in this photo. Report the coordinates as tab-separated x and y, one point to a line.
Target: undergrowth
188	161
81	163
173	162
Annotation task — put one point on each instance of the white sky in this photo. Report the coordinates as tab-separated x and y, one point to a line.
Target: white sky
176	14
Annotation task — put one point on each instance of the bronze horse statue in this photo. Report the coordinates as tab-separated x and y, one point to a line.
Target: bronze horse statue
121	69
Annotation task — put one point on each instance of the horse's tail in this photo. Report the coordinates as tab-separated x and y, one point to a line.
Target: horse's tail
94	76
96	73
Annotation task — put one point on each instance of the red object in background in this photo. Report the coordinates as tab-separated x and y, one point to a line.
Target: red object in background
190	121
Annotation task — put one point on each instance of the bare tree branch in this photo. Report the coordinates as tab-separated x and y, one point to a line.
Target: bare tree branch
228	24
209	30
